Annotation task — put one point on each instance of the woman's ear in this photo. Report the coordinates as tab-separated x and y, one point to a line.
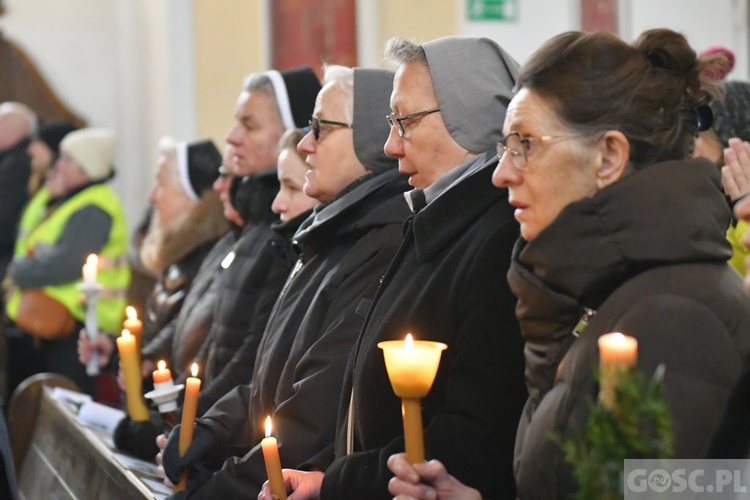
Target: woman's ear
615	157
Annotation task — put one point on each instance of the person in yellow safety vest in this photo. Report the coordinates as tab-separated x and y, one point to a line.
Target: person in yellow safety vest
75	214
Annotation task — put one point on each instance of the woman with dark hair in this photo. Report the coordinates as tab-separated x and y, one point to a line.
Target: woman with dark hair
618	226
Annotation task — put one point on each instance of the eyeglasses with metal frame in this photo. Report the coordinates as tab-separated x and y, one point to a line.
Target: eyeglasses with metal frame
315	125
395	120
518	146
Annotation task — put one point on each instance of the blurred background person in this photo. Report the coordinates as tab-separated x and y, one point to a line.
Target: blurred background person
76	214
44	149
726	145
186	223
18	124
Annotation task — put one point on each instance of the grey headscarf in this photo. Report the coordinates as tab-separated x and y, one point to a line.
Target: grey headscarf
372	95
473	80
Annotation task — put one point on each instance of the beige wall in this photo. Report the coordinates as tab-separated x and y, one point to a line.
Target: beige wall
229	44
421	20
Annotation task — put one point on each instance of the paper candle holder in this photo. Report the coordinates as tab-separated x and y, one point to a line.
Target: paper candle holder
412	366
411	369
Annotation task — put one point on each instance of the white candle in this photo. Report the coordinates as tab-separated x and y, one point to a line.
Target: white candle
89	269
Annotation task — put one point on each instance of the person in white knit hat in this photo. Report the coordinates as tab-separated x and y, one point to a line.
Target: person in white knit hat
75	214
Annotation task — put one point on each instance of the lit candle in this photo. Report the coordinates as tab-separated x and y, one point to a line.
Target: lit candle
273	463
412	366
189	409
165	395
618	353
134	325
132	371
162	376
89	270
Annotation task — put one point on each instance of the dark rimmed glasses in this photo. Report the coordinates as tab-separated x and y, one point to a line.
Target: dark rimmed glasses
315	125
395	121
518	146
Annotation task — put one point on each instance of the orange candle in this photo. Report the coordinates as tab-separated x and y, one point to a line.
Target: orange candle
89	270
618	353
273	463
162	375
132	372
133	324
189	409
412	366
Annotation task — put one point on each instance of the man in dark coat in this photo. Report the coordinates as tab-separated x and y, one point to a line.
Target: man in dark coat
18	124
447	283
346	246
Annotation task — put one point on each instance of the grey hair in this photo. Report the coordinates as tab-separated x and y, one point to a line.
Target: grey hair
22	110
260	82
343	78
399	50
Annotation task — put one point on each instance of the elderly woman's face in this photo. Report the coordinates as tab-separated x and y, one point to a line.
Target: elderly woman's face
558	170
332	161
167	196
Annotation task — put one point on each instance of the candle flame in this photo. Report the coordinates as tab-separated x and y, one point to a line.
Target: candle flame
618	338
92	260
268	426
131	313
408	341
194	369
126	333
162	364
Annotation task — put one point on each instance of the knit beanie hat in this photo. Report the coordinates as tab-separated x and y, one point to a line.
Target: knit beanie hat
198	164
372	94
473	80
93	149
51	133
732	115
296	90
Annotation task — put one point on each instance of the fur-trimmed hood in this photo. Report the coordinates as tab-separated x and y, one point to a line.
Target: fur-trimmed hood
204	222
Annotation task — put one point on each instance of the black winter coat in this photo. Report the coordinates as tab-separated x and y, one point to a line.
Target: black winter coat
181	339
648	253
248	288
447	284
299	371
15	169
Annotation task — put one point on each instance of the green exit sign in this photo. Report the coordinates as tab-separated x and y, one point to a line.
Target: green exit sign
492	10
